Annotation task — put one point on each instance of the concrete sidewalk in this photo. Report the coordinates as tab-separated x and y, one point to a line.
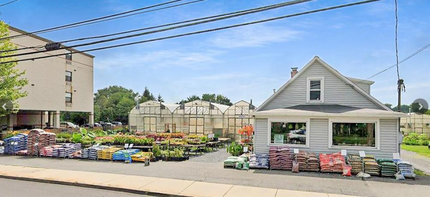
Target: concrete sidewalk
144	185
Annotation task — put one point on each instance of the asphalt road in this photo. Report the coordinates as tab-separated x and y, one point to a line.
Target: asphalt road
18	188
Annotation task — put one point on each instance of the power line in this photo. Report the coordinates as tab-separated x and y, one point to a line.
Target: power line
90	20
8	3
396	40
108	19
146	28
198	32
264	8
404	60
128	15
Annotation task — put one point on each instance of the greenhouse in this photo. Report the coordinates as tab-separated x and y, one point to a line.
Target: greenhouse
195	117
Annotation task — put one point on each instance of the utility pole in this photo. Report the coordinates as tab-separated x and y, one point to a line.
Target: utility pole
400	87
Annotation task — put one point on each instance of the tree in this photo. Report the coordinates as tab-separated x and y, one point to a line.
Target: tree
146	96
388	105
160	99
113	104
11	80
79	118
209	97
223	100
189	99
403	108
214	98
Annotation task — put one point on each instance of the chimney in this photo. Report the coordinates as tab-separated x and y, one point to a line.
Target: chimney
293	71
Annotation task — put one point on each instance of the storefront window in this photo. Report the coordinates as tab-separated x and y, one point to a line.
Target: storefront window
288	133
354	134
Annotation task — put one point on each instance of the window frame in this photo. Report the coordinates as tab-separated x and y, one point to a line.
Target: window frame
308	89
292	120
354	120
71	97
71	76
69	56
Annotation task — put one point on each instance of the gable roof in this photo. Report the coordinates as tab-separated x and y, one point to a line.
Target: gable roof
332	70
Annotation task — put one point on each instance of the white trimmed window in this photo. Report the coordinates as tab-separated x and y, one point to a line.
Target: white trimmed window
68	97
292	132
315	89
69	76
354	133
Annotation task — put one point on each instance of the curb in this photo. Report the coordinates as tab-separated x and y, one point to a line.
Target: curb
90	186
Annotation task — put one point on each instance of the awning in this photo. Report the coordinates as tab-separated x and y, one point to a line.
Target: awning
328	111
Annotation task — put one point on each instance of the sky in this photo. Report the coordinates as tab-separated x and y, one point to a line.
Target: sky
248	62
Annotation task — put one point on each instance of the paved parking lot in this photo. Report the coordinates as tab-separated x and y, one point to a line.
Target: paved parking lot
209	168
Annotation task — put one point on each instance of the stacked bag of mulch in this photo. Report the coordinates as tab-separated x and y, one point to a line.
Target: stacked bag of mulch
120	155
370	165
280	158
141	156
91	152
232	161
332	162
388	167
48	151
259	161
71	148
38	138
301	158
355	161
13	145
406	169
106	154
46	139
76	155
312	163
59	151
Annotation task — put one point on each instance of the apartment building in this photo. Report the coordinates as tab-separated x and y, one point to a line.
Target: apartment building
56	84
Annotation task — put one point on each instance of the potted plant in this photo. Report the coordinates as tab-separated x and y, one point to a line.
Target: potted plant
156	151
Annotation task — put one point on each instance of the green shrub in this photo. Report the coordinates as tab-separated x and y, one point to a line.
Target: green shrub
423	137
415	139
64	135
235	149
156	150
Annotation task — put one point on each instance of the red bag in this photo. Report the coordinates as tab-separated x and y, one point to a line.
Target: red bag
346	170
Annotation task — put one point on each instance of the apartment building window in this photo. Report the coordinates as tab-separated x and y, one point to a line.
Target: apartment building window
68	76
69	56
68	97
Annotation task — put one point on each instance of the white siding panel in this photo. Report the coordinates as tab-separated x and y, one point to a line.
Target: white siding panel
336	91
319	131
260	138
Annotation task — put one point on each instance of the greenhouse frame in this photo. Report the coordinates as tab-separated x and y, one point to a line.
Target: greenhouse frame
195	117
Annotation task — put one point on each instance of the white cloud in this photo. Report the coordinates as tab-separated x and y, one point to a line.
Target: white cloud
159	59
253	36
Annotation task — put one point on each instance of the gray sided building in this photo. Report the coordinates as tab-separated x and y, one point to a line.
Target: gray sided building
320	110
